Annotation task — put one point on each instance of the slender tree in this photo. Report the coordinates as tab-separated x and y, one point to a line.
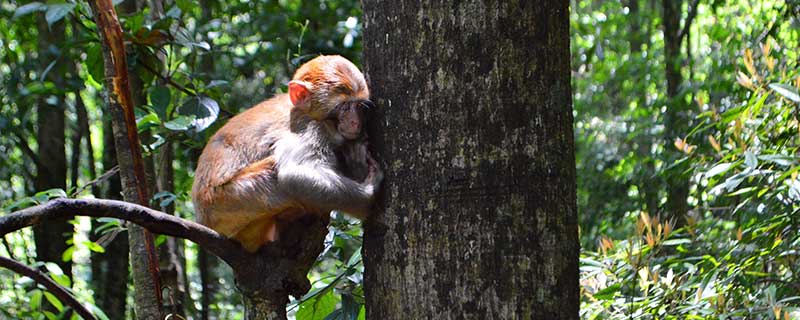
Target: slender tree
478	217
51	169
110	285
676	118
120	102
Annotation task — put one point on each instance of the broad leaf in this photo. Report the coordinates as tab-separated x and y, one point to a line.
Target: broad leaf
58	11
29	8
204	109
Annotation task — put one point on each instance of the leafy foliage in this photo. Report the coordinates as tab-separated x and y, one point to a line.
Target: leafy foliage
734	255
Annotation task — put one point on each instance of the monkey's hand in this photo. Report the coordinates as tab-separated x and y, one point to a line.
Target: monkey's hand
375	175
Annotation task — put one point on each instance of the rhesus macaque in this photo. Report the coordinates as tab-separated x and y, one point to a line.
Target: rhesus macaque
278	159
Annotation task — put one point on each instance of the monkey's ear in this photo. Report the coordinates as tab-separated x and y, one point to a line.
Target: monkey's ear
298	92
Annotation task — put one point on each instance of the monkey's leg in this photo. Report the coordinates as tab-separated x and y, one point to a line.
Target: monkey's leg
257	233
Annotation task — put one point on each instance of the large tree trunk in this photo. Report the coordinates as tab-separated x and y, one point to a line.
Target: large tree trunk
478	218
51	171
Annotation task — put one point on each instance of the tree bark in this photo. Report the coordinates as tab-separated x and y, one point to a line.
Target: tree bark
111	285
144	262
51	169
171	258
675	118
478	215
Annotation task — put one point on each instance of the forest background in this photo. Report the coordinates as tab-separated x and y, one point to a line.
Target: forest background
686	135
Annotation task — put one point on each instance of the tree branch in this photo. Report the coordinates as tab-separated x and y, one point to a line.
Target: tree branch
155	221
165	78
688	23
48	283
26	149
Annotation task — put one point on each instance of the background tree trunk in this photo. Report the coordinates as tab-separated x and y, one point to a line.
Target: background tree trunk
675	118
51	170
111	285
478	218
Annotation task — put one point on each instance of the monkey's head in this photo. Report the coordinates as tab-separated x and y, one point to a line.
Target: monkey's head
325	82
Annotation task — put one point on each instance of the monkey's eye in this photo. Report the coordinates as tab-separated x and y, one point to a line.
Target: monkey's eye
366	104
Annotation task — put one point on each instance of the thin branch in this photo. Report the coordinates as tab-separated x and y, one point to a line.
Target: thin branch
688	23
153	220
105	176
48	283
165	79
26	149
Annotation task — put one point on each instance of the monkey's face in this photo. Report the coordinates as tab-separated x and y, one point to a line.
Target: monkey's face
350	117
330	81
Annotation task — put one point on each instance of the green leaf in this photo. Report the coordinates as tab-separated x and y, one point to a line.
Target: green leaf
318	308
56	12
786	90
362	314
607	293
779	159
36	299
96	311
54	301
160	96
718	169
67	254
750	159
216	83
94	246
180	123
355	258
53	268
185	5
29	8
62	279
731	114
160	239
204	109
148	121
94	62
337	314
675	242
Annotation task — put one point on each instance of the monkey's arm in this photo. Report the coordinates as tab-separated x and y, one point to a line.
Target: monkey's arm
325	189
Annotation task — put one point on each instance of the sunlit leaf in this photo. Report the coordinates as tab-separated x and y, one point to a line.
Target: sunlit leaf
67	254
180	123
718	169
94	247
56	12
786	90
317	308
54	301
29	8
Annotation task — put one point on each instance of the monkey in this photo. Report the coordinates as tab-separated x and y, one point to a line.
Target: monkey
278	159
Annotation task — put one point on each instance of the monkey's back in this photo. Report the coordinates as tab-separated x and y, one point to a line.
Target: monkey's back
241	147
